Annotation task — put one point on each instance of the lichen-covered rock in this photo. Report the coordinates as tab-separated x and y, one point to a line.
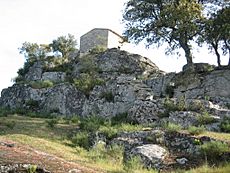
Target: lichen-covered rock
160	84
152	155
62	99
146	111
124	90
55	77
184	118
114	60
214	84
182	143
35	72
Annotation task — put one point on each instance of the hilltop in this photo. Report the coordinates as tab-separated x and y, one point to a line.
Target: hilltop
125	100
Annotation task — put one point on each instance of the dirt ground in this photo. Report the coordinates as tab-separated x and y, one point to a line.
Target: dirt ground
14	153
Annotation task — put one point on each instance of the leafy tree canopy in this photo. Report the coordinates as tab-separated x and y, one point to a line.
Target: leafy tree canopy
34	51
216	32
64	45
175	22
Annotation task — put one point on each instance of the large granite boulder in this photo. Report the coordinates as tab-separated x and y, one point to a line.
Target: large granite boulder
35	72
213	84
55	77
152	155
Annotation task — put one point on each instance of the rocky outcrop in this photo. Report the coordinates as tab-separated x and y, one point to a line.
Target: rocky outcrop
35	72
121	87
213	84
62	99
129	84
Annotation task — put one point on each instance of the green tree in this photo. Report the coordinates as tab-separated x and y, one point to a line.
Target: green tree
64	45
33	51
158	21
216	33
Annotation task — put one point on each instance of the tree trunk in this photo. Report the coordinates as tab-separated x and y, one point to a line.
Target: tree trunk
215	47
188	53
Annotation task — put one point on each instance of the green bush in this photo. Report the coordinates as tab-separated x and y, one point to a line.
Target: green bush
225	125
22	71
171	127
197	106
122	118
108	96
91	123
81	139
214	149
41	84
169	105
87	82
193	130
32	104
97	50
4	111
32	169
88	65
52	122
20	111
169	91
10	124
205	118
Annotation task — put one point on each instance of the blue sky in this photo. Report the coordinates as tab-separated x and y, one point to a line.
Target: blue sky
41	21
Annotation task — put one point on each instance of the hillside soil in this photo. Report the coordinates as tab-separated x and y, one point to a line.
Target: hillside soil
14	153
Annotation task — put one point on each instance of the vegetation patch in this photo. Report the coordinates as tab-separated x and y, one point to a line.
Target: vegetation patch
225	125
214	149
172	128
87	82
193	130
41	84
205	118
108	96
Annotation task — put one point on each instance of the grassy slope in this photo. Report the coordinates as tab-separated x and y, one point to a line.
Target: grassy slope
34	132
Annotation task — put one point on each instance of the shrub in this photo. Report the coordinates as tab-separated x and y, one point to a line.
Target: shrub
169	105
88	65
19	111
32	169
171	127
193	130
97	50
169	91
205	118
197	106
41	84
22	71
4	111
32	104
10	124
91	123
87	82
52	122
225	125
121	118
214	149
133	164
108	96
81	139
